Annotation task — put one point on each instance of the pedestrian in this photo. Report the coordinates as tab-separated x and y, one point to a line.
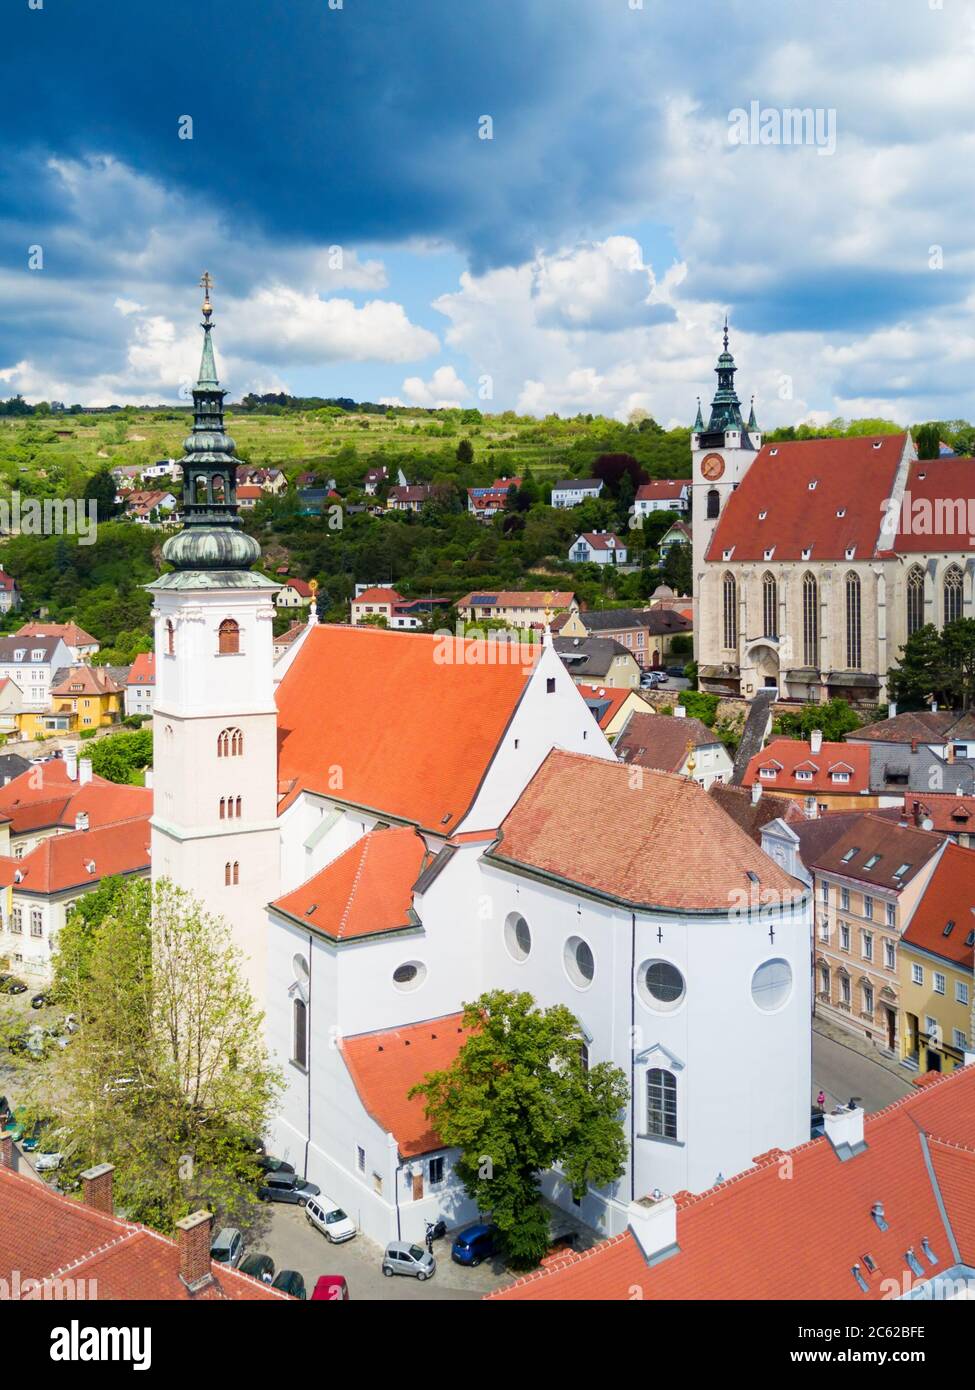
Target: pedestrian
821	1099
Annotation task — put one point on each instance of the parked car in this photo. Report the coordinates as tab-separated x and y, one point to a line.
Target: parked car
330	1219
269	1164
474	1244
331	1288
228	1247
40	1001
11	985
290	1281
675	671
258	1267
652	678
287	1187
48	1162
400	1257
14	1123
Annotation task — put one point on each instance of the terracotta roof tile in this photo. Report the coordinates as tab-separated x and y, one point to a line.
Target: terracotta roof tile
84	857
661	741
142	672
871	849
792	754
948	897
366	890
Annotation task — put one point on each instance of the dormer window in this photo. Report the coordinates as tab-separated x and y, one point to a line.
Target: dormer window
762	516
803	774
727	554
768	773
807	554
841	777
772	453
812	484
851	551
770	552
37	654
19	654
841	511
878	443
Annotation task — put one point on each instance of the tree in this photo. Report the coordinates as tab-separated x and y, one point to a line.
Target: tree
168	1077
76	939
834	719
936	666
119	756
611	467
518	1099
465	452
928	440
100	489
677	568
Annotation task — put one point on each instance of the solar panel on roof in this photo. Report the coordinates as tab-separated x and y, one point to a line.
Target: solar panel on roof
483	598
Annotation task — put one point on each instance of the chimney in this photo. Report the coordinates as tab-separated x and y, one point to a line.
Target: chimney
679	711
816	741
892	710
950	753
653	1221
147	777
195	1235
96	1188
6	1151
916	812
844	1130
84	771
71	764
756	792
81	821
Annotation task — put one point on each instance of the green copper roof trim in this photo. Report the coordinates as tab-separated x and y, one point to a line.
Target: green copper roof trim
208	367
211	579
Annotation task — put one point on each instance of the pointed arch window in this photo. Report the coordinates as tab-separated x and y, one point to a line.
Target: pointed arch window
231	873
170	638
952	594
770	605
853	622
730	614
810	621
229	637
230	743
915	599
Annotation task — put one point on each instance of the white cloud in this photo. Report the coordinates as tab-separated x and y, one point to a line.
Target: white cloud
444	388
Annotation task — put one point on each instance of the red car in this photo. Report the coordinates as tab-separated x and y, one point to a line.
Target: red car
333	1287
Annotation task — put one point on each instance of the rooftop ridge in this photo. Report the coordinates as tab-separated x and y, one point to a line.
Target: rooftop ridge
571	1257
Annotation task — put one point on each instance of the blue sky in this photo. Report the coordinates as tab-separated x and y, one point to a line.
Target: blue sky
366	242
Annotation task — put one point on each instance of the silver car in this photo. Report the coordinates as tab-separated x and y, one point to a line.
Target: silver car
402	1257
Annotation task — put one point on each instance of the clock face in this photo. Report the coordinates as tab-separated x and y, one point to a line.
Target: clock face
712	467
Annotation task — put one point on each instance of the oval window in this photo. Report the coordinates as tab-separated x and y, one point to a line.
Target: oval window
580	966
409	975
517	936
772	985
661	984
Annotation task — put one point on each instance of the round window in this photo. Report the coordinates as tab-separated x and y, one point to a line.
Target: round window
517	936
661	984
579	963
409	975
772	984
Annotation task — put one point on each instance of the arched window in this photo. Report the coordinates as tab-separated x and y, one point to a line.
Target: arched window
714	503
170	638
230	743
299	1033
853	633
223	807
915	599
236	872
237	808
730	595
810	621
218	488
231	873
952	594
661	1103
229	637
770	605
824	981
200	488
227	869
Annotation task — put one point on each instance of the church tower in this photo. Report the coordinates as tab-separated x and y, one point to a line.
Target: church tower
214	825
721	453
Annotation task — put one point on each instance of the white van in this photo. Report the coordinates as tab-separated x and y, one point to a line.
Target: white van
330	1219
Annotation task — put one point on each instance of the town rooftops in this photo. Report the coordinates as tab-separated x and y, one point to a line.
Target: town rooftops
514	598
605	700
581	820
383	1066
378	595
46	796
466	691
661	741
751	815
756	1237
875	850
816	499
948	813
365	891
143	669
918	726
28	650
46	1236
86	680
70	633
655	621
943	923
590	656
789	765
662	489
84	857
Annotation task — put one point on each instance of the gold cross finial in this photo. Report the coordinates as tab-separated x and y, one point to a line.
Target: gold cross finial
207	282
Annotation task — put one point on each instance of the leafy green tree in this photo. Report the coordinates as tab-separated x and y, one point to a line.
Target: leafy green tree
100	489
119	756
928	440
465	452
677	568
835	719
518	1099
936	665
167	1077
76	939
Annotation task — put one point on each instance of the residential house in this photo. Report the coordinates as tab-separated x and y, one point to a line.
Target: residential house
163	468
572	492
411	498
486	502
532	608
151	507
598	548
374	479
678	534
674	743
140	685
830	776
283	641
294	593
944	813
80	644
90	695
54	1247
11	708
62	795
375	602
936	968
612	705
248	496
877	1209
31	662
9	592
647	632
401	613
663	495
598	660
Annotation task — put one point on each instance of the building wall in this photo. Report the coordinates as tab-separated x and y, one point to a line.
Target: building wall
920	1002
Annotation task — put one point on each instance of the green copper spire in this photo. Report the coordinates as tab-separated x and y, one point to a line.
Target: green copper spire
698	423
208	368
752	422
726	407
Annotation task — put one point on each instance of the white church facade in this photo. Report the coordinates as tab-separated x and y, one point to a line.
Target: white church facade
381	867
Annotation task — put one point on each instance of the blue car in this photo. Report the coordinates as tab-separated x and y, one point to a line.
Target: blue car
474	1244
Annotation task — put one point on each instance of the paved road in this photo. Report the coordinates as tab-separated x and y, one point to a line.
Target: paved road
843	1073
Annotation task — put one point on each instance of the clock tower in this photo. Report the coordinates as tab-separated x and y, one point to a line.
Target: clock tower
721	452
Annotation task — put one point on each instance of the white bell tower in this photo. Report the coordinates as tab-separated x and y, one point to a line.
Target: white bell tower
214	825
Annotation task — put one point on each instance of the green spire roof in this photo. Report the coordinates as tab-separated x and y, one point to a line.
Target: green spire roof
726	407
698	423
752	422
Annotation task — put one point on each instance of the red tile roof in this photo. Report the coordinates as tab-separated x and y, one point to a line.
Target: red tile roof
44	1234
789	755
86	680
661	741
898	852
930	482
459	690
603	540
142	672
300	586
759	1238
662	489
581	819
46	796
81	858
948	897
384	1066
378	595
248	492
611	696
70	633
948	813
366	890
774	505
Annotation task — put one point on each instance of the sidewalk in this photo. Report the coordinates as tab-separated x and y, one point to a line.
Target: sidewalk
828	1029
